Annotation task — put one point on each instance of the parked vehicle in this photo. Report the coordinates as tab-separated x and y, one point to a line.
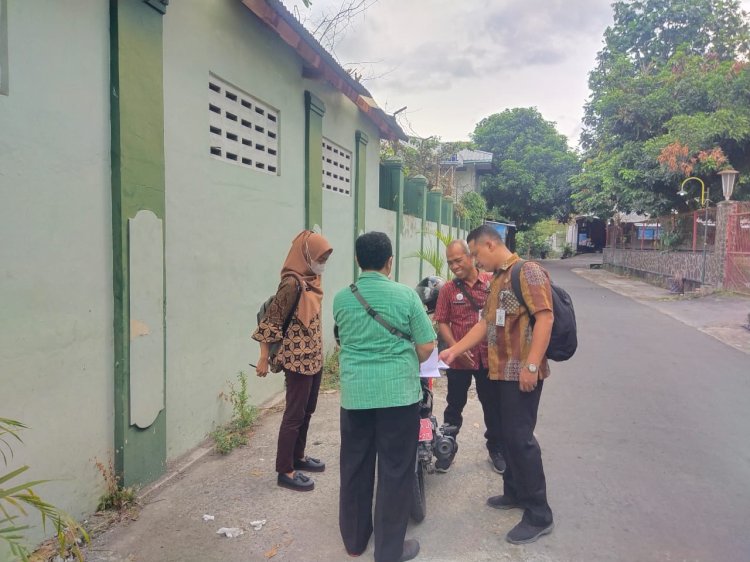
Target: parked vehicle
435	444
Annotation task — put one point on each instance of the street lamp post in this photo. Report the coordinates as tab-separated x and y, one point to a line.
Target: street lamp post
683	193
704	203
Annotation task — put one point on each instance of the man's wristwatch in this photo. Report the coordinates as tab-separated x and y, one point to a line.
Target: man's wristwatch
532	368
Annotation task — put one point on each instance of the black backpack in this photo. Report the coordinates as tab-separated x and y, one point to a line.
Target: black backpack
263	310
564	339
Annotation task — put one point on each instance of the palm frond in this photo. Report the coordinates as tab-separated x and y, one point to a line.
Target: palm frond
15	499
12	428
432	257
433	254
444	238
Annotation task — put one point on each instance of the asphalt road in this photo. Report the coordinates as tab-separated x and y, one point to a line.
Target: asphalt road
645	437
645	441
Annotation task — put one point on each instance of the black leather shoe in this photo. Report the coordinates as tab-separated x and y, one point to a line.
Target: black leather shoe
502	502
524	533
299	482
411	549
309	464
498	462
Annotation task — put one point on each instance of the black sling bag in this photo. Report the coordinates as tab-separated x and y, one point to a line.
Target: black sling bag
379	319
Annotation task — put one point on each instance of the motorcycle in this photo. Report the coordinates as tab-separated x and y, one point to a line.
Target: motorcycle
435	444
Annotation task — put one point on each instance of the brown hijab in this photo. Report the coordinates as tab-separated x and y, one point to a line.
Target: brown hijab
307	247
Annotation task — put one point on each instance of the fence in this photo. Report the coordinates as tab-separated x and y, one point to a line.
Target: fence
415	214
678	232
737	272
684	251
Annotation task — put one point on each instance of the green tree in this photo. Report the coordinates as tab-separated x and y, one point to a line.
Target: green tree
669	98
532	166
652	31
534	242
474	207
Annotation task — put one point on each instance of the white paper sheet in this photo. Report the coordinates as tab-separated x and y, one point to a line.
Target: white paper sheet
429	369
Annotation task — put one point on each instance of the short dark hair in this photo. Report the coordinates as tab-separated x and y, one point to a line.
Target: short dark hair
484	231
373	250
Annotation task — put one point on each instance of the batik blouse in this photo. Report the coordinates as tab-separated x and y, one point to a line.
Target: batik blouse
301	346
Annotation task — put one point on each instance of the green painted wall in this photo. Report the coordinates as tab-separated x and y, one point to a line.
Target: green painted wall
56	335
394	175
137	184
361	139
315	110
340	125
229	227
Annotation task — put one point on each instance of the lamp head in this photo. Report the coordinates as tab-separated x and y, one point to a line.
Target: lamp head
728	178
682	193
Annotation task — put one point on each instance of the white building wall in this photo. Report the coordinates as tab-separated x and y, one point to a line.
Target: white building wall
465	181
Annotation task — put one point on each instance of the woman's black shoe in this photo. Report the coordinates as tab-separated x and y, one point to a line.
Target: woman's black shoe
299	482
309	464
411	549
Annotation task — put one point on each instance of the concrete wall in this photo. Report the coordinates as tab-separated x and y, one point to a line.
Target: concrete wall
465	181
341	121
56	333
228	228
657	265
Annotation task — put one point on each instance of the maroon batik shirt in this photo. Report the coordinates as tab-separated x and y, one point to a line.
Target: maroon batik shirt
454	309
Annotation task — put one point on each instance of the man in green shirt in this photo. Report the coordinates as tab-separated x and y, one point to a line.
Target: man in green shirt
380	392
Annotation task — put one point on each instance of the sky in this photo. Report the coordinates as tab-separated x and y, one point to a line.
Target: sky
453	63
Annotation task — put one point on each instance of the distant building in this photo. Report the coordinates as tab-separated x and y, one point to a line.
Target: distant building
587	233
466	168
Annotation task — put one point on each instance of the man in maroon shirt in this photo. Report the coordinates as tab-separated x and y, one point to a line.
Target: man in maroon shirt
458	309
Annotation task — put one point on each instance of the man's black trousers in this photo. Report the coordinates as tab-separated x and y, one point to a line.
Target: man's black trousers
459	381
388	435
524	476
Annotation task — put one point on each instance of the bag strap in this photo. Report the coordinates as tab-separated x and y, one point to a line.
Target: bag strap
462	287
515	281
289	317
372	312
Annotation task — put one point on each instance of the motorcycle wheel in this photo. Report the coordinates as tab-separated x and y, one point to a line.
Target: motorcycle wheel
419	503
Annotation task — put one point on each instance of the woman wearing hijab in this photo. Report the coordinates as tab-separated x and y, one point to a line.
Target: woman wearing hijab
300	355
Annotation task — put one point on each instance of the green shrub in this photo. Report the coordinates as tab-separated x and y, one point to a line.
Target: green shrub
115	497
234	434
331	379
532	244
226	440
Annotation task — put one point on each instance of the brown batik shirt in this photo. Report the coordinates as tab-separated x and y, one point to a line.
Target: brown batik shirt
301	346
509	345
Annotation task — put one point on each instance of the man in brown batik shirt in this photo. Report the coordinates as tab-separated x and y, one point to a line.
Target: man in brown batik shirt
517	361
